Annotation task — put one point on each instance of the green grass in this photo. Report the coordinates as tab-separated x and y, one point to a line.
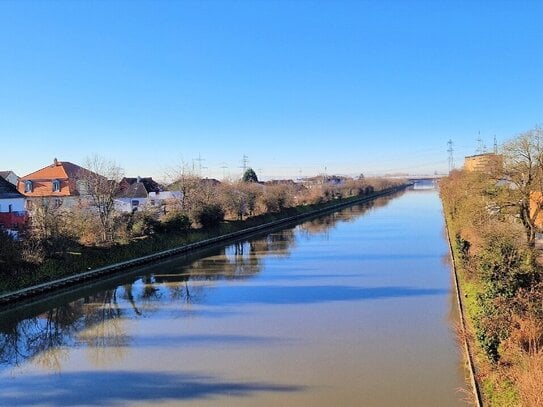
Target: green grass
499	392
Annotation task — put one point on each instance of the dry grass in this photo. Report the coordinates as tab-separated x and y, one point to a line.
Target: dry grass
529	379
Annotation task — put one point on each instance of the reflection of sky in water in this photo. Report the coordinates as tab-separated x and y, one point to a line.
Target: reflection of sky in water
363	293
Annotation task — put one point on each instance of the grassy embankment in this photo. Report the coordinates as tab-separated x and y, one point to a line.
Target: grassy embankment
85	258
494	390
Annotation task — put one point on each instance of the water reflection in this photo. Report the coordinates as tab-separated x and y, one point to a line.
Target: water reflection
97	321
323	225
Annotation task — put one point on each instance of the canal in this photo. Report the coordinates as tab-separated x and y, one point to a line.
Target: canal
355	308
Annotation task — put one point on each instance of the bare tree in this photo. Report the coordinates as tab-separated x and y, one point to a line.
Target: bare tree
240	198
100	183
185	181
523	167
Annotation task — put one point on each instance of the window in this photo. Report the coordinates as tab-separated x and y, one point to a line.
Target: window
10	208
56	185
57	202
28	186
29	205
135	203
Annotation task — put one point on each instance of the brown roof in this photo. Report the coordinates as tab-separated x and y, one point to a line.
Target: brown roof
64	171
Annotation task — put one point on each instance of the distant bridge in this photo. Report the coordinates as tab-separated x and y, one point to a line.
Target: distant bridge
435	177
415	178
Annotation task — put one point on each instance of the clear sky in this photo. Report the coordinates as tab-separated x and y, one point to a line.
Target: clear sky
297	86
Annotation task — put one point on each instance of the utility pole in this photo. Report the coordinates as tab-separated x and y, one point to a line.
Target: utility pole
450	150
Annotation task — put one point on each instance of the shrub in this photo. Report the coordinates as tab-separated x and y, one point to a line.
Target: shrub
175	221
207	214
143	223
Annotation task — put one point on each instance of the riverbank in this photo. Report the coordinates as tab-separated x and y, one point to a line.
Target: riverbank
500	290
466	335
92	264
488	387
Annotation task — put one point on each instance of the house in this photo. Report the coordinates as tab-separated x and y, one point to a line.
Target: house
136	193
9	176
331	180
12	206
61	181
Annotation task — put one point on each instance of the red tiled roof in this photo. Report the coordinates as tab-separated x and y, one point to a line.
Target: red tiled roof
66	172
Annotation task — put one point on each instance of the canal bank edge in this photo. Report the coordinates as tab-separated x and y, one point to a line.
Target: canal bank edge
33	292
467	348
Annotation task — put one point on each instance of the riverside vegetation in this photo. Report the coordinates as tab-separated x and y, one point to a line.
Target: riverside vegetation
60	242
493	232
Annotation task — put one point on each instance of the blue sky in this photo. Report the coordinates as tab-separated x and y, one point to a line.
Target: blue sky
297	86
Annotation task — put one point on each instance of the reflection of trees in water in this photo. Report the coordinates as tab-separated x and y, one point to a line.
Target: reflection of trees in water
324	224
242	259
182	286
93	320
280	243
31	338
104	333
97	321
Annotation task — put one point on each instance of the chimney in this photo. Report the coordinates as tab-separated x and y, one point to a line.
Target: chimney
138	179
55	162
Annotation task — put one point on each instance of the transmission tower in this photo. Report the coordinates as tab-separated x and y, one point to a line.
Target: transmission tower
224	167
244	163
450	150
199	159
481	147
495	145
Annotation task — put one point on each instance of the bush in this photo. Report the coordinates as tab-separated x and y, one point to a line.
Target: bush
143	223
207	214
10	256
175	222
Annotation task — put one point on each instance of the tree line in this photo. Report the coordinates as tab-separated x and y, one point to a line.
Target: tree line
58	232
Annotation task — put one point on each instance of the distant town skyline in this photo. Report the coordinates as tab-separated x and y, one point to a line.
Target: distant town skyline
300	88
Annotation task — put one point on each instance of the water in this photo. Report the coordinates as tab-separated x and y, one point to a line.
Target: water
351	309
